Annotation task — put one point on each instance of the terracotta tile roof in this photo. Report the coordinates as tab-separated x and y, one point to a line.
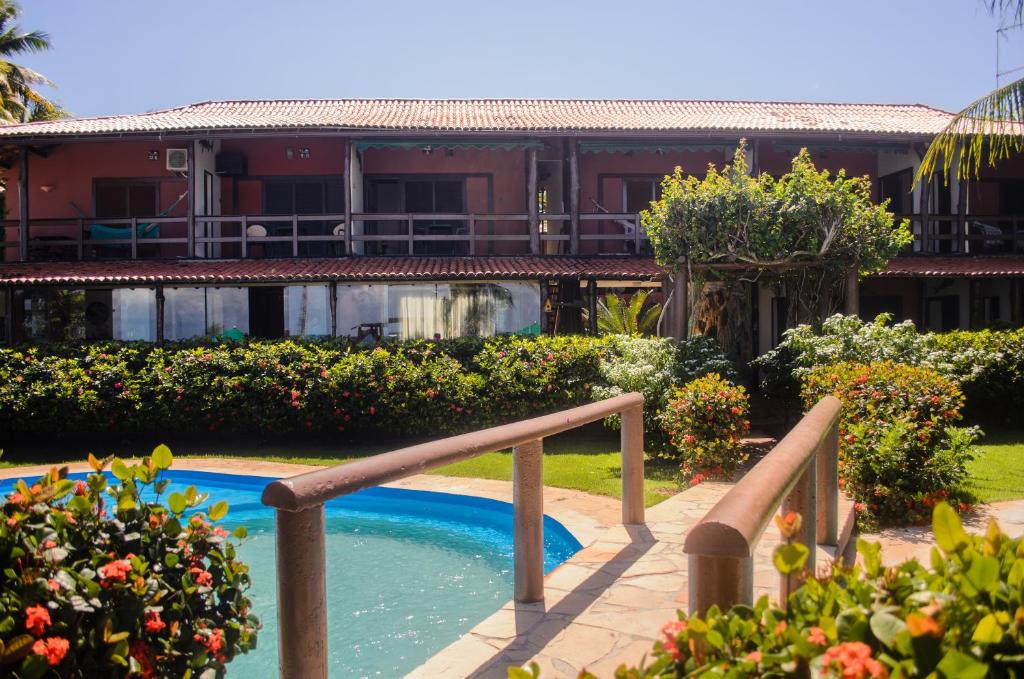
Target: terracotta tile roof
956	266
510	115
339	269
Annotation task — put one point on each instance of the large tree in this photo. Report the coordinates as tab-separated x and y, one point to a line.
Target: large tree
992	123
805	230
20	99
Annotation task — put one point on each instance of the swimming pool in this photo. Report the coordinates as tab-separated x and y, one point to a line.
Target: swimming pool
407	571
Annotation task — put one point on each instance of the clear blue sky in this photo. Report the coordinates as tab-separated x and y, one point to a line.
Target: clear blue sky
121	56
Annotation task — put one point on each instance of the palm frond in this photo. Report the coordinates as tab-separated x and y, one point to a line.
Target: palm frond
995	122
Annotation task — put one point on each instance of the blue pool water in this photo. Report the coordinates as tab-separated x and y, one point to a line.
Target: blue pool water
407	571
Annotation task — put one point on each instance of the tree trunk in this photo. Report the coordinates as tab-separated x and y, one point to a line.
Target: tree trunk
722	310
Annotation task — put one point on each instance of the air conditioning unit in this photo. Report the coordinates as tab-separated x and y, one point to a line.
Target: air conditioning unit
177	160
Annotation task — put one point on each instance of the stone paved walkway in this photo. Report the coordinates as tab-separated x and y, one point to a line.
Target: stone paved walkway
900	544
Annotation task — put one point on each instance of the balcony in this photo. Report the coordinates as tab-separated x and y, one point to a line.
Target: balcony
324	235
967	235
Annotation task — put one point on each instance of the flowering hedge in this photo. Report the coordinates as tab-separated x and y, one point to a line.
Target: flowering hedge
899	449
989	365
285	387
97	581
705	420
961	617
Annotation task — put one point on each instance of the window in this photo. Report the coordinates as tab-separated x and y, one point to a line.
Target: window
53	315
133	314
410	311
121	199
942	313
639	192
195	312
303	196
307	310
417	195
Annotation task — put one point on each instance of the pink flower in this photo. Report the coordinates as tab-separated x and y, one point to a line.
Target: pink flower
37	619
115	571
817	636
202	577
753	656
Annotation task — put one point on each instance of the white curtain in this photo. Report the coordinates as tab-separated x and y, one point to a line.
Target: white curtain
419	311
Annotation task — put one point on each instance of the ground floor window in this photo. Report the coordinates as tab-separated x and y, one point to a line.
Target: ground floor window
307	310
438	310
198	312
94	314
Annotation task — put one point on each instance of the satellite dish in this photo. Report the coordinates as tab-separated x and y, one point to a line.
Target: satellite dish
256	231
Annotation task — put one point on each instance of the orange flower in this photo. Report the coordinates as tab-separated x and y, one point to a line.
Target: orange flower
115	571
817	636
53	649
754	656
852	660
37	619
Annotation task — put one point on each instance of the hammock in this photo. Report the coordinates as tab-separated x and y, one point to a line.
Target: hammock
105	232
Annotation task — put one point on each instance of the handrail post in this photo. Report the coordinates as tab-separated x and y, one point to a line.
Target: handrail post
295	235
802	500
528	526
827	465
633	466
721	581
302	594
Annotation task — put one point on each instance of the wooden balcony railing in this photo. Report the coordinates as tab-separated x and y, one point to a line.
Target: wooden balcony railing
800	474
299	501
237	236
967	234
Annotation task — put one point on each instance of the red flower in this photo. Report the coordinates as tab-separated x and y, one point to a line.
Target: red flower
37	619
53	648
81	488
669	633
852	660
213	641
152	622
117	385
817	636
115	571
373	411
139	651
202	577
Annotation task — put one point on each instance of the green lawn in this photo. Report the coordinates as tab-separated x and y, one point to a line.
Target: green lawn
587	459
998	471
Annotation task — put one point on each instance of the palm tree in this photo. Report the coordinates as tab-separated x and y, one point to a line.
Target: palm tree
20	101
629	316
995	121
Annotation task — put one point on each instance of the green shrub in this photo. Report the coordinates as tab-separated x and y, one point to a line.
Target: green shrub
989	365
962	617
842	339
97	581
705	421
899	451
655	367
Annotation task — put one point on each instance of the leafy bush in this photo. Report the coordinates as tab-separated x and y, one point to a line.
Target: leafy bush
284	387
99	581
655	367
842	339
959	618
899	451
705	421
989	365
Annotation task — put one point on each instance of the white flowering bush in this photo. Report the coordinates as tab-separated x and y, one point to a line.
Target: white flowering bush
656	367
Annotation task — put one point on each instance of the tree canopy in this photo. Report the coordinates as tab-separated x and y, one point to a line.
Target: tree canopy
20	99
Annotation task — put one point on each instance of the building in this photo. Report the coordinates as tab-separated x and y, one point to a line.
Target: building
413	218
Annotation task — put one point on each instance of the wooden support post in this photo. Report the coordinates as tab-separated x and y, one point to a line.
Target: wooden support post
295	235
23	206
531	200
190	219
804	501
334	308
681	304
159	314
592	305
632	443
348	197
302	594
244	226
574	198
827	470
528	526
135	237
412	235
852	292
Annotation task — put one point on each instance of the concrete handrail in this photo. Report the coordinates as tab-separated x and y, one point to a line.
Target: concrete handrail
299	501
799	474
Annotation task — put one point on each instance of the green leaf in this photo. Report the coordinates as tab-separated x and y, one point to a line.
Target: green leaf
983	573
949	532
956	665
162	457
885	627
241	533
790	557
177	503
126	501
80	504
871	553
218	511
988	631
120	470
171	559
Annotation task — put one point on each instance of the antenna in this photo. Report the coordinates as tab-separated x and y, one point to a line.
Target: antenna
1001	33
